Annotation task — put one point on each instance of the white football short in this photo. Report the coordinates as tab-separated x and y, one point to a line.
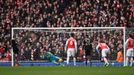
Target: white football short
105	52
130	52
71	52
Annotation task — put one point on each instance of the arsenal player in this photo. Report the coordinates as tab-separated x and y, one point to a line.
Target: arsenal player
130	50
104	51
71	48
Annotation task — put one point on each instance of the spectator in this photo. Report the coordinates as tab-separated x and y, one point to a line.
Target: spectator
63	13
119	56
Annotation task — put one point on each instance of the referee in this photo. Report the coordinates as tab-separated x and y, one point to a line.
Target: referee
87	46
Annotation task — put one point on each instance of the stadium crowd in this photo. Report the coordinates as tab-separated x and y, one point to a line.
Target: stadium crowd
33	43
61	13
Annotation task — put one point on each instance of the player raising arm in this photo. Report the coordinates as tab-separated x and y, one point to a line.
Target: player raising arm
71	48
104	51
130	50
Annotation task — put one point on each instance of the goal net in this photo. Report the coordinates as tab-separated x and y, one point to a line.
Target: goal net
32	42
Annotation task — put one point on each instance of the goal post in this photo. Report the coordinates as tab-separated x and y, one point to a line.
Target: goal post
91	29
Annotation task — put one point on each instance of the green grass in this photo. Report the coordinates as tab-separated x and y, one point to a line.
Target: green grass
66	70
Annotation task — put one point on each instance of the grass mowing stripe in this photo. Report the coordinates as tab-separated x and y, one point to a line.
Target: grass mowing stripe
71	70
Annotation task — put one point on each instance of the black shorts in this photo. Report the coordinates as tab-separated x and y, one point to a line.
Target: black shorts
15	50
87	52
88	49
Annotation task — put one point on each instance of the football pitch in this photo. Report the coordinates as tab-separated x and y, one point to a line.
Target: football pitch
66	70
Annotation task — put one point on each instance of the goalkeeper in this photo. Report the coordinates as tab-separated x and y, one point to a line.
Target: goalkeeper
52	58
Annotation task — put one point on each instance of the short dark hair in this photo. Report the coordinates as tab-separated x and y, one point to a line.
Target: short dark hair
13	42
72	34
102	41
131	35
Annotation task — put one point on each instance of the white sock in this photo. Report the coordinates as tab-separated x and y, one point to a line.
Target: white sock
67	60
74	61
127	62
106	61
131	61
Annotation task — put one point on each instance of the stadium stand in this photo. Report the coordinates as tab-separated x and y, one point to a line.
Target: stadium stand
32	43
61	13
